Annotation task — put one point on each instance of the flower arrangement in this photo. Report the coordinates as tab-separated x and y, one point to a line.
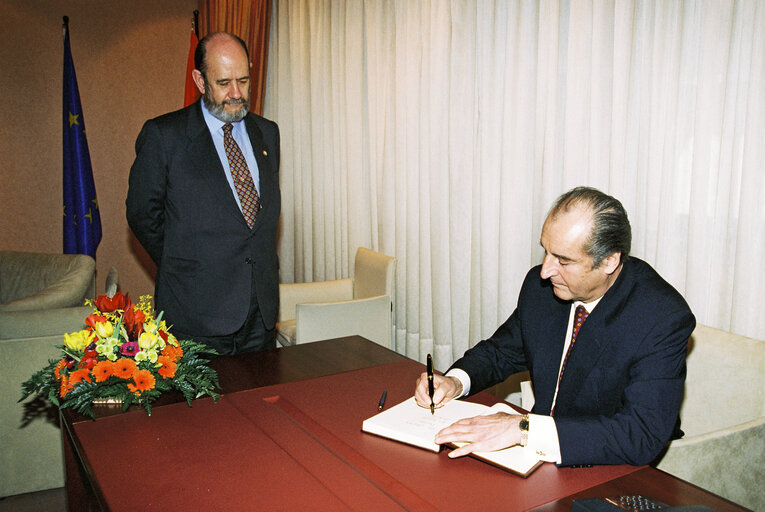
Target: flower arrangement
123	354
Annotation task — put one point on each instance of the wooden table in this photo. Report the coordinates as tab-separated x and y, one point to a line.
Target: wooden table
235	373
298	437
650	482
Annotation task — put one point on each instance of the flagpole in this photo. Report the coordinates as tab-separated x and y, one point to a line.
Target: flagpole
66	24
196	22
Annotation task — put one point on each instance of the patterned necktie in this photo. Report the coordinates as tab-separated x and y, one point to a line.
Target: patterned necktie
580	316
245	188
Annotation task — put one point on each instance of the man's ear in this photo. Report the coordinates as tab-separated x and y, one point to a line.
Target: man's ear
199	80
611	262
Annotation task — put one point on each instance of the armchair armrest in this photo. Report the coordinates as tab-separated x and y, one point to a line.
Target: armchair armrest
42	322
290	295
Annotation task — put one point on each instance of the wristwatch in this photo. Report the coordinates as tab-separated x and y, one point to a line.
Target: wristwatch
524	425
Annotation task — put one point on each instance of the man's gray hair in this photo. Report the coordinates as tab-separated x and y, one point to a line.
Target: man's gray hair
611	230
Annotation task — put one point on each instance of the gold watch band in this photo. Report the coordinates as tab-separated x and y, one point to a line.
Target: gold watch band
524	426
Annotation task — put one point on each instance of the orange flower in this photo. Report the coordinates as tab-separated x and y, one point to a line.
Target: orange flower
60	366
168	368
65	386
124	368
78	376
103	370
173	352
144	381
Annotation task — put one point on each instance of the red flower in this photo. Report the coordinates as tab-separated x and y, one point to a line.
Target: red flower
88	362
109	304
133	320
92	320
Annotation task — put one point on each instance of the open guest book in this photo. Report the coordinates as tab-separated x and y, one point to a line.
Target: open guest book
411	424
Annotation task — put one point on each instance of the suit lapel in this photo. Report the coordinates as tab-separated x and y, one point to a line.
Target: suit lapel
552	328
593	338
266	172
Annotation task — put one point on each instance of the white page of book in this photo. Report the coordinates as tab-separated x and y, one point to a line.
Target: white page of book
409	423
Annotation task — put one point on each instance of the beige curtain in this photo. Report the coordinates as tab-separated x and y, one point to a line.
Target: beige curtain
440	132
251	21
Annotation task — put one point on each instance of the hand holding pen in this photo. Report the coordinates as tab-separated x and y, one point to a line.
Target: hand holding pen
443	389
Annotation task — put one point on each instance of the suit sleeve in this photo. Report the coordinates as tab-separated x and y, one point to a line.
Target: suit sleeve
145	203
494	359
640	428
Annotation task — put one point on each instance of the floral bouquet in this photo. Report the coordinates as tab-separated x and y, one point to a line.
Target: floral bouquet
126	355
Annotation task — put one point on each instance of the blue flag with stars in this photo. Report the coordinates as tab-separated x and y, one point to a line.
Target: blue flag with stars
82	220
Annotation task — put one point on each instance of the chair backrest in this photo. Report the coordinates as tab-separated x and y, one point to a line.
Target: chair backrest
725	372
369	317
374	274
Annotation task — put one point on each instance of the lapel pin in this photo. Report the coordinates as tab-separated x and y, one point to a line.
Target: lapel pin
265	153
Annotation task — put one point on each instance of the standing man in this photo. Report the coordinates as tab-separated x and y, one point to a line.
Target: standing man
204	202
603	336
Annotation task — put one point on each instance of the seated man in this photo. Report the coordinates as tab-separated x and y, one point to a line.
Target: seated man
603	336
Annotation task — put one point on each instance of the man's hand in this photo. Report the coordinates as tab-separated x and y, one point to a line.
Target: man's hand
444	389
483	433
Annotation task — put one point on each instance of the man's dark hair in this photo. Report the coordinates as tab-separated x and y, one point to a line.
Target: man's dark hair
200	54
611	230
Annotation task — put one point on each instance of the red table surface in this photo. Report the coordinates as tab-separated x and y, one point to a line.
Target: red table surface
299	446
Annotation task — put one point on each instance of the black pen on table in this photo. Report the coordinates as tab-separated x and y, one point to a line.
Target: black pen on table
381	403
430	384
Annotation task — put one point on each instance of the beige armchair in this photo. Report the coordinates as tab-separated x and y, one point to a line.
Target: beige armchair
41	298
360	305
723	417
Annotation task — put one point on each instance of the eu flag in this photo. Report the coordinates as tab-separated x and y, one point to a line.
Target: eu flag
82	220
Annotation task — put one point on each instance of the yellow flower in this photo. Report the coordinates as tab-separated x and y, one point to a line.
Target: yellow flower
147	340
104	329
78	340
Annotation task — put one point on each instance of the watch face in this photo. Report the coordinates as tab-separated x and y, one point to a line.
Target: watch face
524	424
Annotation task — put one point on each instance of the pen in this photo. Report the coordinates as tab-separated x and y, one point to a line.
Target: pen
381	403
430	384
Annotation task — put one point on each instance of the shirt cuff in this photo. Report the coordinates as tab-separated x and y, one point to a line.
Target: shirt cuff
463	377
543	438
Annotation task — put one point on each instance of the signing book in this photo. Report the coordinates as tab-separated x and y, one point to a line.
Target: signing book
411	424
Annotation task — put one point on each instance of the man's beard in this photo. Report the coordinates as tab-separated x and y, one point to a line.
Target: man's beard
217	109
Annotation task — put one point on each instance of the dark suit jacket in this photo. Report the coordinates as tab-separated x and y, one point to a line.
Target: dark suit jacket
620	395
183	211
